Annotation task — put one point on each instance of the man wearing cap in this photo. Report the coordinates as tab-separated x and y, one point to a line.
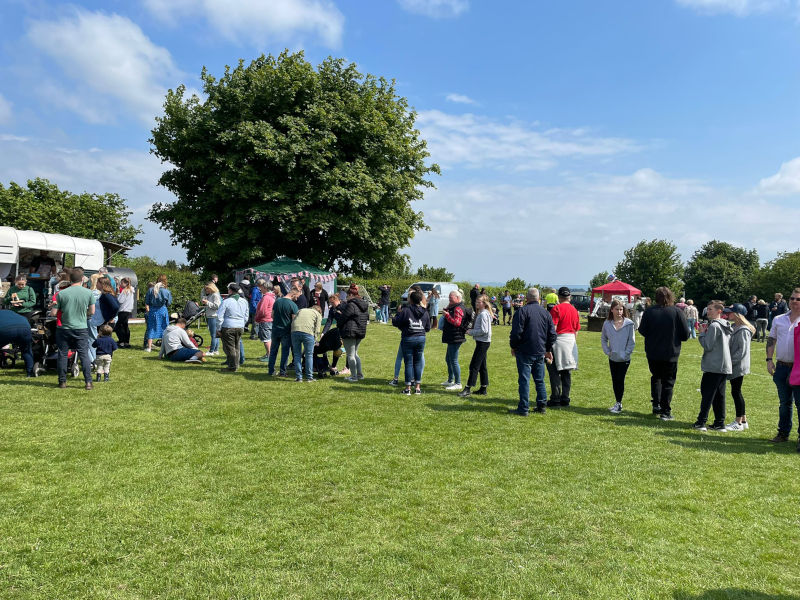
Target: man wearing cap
780	359
565	350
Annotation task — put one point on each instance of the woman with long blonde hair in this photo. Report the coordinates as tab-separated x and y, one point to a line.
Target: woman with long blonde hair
156	315
211	300
482	334
740	361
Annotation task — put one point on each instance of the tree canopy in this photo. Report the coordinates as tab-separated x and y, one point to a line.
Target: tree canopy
600	279
720	271
42	206
284	159
779	275
649	265
426	273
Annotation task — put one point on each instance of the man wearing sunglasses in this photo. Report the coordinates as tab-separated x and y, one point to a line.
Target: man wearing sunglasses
780	358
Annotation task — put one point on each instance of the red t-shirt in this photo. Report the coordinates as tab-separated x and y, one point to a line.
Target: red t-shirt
565	318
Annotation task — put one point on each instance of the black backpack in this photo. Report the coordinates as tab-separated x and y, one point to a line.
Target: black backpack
468	320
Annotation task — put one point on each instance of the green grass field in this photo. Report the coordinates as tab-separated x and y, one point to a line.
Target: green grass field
179	481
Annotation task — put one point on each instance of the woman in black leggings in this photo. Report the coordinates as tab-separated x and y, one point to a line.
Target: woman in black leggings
618	342
740	362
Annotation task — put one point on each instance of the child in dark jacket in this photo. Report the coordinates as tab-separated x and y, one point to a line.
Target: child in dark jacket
105	345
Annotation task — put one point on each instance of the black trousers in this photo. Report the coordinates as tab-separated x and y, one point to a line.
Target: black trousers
121	328
618	372
736	392
560	383
712	390
662	379
478	365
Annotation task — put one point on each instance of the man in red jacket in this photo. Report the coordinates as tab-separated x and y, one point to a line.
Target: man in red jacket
565	352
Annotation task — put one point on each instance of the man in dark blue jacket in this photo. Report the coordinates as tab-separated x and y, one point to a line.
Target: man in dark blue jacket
532	337
15	329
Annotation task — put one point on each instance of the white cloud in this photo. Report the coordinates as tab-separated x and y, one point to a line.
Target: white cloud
435	8
739	8
5	110
133	174
108	64
259	22
460	99
476	141
565	233
785	181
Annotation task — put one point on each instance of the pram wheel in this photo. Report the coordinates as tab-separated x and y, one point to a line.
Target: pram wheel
198	339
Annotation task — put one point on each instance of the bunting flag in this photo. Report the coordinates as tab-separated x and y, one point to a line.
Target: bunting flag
313	278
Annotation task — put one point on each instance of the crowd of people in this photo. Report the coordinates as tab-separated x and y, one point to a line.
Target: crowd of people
288	320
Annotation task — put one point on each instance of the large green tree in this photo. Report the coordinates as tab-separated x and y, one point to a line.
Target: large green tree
600	279
285	159
651	264
427	273
779	275
42	206
720	271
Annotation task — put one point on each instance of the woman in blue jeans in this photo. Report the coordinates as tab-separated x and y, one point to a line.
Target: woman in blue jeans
453	334
414	322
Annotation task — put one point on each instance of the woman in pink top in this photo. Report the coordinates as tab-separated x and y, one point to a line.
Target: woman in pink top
263	318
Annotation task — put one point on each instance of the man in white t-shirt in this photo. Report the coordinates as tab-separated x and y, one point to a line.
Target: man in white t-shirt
780	358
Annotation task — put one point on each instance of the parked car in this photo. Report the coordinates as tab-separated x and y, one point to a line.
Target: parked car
580	301
443	287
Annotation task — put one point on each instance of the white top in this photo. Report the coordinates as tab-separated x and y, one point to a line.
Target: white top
783	333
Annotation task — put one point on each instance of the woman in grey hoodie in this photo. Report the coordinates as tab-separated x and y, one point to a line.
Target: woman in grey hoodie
482	333
618	342
740	361
715	338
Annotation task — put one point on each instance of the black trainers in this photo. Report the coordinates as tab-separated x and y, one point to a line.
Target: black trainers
656	409
540	409
666	417
482	392
518	412
407	391
780	438
554	404
718	427
465	393
700	427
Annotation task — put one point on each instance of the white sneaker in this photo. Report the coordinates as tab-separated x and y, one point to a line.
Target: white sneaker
209	353
745	425
148	349
617	408
360	377
456	387
734	427
446	383
351	379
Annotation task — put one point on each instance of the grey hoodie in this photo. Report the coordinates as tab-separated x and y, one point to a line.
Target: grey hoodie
618	345
740	351
716	343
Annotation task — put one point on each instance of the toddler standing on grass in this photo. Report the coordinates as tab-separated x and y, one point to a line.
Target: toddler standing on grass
105	345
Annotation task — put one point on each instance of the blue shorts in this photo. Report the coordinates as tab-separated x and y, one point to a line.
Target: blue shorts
264	331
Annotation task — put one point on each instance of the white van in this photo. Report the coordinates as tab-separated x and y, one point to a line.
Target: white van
443	287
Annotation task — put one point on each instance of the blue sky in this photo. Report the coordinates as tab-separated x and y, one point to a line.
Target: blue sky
566	131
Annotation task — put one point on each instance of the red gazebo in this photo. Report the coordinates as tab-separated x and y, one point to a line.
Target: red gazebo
616	288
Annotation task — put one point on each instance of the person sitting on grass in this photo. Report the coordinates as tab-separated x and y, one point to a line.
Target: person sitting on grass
178	346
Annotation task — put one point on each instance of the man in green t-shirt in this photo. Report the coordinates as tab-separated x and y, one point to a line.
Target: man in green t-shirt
76	304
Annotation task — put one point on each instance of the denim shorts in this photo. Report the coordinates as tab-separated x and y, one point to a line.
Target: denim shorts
264	331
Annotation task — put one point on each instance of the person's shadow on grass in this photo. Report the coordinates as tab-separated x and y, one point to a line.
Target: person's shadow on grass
725	443
471	407
724	594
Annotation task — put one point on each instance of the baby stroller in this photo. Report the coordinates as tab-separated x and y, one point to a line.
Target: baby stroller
191	312
45	351
331	340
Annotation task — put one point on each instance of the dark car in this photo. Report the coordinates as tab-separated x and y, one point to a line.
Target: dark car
580	301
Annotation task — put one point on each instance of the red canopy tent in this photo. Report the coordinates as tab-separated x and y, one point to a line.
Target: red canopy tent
616	288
